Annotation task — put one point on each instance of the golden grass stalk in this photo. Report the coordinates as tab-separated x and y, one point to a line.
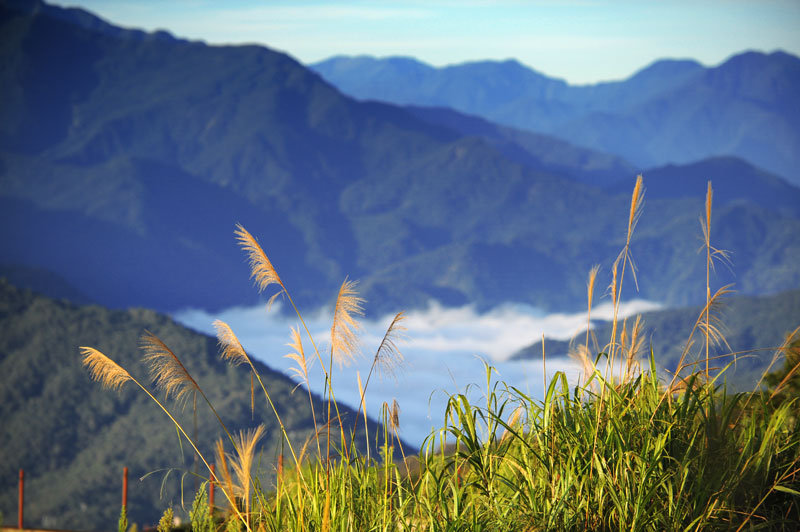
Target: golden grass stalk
610	346
713	325
112	375
710	323
635	345
712	254
634	213
388	357
625	257
233	352
386	361
104	370
791	351
590	298
363	407
166	370
232	349
299	356
393	419
222	460
265	275
261	269
344	337
512	422
344	346
394	416
242	467
581	355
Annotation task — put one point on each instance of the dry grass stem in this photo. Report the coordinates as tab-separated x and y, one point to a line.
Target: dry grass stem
790	349
222	460
104	370
581	355
637	205
590	298
246	442
261	269
516	415
166	370
344	338
388	357
299	356
394	416
362	405
232	349
635	345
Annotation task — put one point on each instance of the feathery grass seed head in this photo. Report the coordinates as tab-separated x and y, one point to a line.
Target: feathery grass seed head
232	349
104	370
299	356
344	338
261	269
394	416
166	369
388	357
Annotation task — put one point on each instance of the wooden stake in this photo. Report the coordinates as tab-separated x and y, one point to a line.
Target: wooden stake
21	497
124	487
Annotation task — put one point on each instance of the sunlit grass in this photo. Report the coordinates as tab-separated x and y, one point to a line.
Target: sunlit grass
622	449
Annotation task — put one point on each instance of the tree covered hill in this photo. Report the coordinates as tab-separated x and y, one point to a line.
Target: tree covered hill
73	438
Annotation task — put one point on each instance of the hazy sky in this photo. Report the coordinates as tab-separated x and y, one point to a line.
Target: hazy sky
582	41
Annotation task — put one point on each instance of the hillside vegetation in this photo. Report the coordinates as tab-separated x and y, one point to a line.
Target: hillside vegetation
73	438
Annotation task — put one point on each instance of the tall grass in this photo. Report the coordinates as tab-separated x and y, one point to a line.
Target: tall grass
622	449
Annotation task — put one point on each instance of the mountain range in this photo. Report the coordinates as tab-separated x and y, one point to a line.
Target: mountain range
670	112
127	158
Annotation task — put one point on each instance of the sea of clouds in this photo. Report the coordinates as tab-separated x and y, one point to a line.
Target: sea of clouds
444	350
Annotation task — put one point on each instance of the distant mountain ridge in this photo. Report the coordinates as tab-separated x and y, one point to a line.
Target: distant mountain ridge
673	111
127	158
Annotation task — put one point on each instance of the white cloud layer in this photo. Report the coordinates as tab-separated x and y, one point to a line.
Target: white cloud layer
444	352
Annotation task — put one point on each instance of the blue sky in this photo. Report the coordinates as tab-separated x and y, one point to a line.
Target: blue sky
582	41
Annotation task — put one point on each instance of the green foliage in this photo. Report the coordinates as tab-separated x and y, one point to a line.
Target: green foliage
165	524
122	526
200	515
